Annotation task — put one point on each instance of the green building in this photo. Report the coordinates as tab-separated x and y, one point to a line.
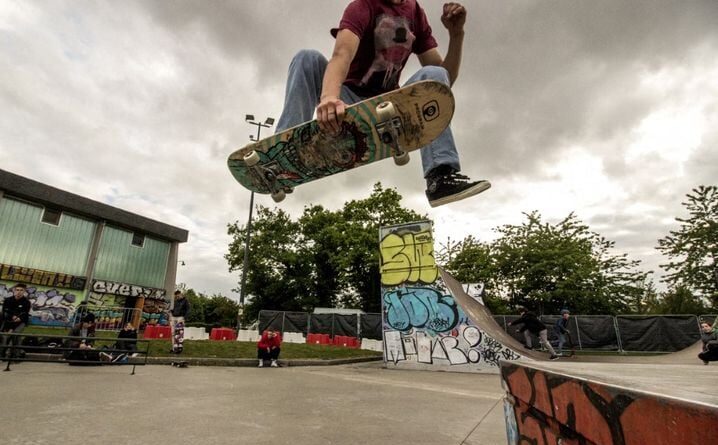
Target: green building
68	249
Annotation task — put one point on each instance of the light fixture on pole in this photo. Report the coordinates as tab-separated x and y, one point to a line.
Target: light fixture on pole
249	118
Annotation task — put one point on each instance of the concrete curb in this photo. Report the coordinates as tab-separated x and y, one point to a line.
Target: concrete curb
248	362
252	362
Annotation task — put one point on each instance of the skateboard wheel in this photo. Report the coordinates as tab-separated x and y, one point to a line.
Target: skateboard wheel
401	158
385	111
251	158
279	196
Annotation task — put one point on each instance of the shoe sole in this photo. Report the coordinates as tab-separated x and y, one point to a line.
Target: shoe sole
475	190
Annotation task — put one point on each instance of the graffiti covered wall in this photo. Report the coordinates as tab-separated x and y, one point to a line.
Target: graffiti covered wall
424	327
112	294
552	408
50	306
54	296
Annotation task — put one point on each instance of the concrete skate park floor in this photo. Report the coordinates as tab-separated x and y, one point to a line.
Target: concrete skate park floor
348	404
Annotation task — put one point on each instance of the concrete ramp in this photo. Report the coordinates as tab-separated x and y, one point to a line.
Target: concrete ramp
427	327
481	317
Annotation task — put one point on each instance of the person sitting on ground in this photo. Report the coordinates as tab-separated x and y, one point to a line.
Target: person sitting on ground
82	347
709	337
532	325
127	338
126	343
562	330
268	347
15	316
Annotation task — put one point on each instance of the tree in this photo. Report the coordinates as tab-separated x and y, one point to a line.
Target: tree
680	300
278	272
693	248
551	266
216	309
220	310
324	258
197	303
360	259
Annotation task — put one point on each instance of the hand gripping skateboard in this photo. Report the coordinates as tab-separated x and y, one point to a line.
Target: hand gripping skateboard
392	124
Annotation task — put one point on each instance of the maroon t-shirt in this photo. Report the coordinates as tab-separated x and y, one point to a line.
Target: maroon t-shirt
388	35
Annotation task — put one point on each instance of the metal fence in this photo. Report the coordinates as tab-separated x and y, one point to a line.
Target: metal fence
20	347
629	333
109	318
354	325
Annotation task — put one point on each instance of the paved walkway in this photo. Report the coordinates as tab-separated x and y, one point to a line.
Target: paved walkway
349	404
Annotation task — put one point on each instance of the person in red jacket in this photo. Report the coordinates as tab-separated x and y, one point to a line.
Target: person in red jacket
268	347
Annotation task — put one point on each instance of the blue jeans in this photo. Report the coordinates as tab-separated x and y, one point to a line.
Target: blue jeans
304	87
561	341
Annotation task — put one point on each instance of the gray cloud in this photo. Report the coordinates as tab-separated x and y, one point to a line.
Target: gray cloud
138	104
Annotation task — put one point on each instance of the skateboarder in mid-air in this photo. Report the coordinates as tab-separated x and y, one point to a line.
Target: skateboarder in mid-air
373	43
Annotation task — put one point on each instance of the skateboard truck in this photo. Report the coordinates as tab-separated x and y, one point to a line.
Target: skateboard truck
389	128
269	178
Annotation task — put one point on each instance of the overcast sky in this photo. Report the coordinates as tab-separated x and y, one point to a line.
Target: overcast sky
605	108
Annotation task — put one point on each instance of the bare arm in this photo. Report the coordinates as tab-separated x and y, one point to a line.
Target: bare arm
330	111
453	18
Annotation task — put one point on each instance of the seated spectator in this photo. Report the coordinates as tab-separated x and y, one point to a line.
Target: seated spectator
709	336
268	347
126	342
127	338
83	349
15	316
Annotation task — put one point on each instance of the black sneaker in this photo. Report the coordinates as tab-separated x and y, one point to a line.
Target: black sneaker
445	188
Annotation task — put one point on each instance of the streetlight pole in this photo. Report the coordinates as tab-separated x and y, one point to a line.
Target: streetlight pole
267	124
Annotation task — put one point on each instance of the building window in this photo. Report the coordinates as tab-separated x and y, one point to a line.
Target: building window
138	239
50	216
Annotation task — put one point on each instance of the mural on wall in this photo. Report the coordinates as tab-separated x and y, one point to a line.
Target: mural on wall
438	334
38	277
50	306
110	294
422	323
407	256
552	408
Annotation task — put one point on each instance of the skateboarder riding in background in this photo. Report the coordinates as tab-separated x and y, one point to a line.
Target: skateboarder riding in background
562	331
532	325
373	43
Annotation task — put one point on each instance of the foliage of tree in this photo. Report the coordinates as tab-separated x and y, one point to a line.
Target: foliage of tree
331	258
550	266
210	310
693	248
680	300
324	258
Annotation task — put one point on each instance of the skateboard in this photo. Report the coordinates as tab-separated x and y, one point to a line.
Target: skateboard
180	364
388	125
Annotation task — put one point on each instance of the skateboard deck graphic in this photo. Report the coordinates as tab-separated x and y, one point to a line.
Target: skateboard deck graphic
391	124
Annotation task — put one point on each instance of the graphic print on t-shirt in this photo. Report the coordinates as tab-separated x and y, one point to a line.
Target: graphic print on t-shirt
393	41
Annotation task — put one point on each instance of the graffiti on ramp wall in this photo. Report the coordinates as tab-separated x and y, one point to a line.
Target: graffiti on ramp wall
423	325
